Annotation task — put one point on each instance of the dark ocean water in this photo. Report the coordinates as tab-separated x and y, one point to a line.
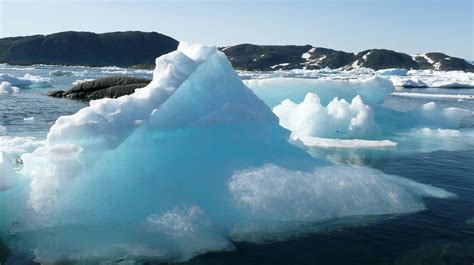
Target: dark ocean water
441	234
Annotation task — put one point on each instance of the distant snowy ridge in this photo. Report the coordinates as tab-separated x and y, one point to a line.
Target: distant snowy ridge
139	49
270	57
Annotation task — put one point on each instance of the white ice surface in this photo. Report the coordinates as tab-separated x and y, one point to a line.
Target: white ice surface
7	88
27	81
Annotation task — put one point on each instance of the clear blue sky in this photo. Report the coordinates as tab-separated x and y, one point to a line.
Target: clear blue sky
411	26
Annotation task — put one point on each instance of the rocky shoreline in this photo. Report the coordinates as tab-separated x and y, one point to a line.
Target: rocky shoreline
107	87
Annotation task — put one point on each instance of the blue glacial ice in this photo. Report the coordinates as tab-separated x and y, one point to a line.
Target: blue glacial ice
180	168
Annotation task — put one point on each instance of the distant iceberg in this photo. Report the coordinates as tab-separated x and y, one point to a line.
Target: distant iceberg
180	167
7	88
392	71
27	81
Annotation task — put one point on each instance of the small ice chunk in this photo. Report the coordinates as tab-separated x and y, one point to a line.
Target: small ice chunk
7	88
392	71
438	132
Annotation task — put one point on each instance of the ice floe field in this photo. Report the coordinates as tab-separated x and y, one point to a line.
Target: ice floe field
210	165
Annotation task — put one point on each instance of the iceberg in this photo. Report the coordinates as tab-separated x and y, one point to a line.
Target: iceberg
339	119
314	109
7	88
273	91
392	71
61	73
27	81
181	167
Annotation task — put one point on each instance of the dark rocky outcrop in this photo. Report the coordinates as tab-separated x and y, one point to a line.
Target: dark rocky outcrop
332	58
270	57
140	49
443	62
124	49
263	57
108	87
382	59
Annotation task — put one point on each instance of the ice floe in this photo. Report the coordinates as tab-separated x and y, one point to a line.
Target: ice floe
7	88
27	81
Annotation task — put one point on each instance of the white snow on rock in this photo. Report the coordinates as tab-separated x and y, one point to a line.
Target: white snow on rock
279	65
308	54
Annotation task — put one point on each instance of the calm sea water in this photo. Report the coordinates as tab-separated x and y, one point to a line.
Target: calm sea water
441	234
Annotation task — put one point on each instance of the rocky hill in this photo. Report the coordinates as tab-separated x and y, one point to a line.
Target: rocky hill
263	57
123	49
139	49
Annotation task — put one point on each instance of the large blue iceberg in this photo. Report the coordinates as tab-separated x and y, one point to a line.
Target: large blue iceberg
184	166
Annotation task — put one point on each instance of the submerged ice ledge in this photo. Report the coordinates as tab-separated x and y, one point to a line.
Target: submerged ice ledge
197	157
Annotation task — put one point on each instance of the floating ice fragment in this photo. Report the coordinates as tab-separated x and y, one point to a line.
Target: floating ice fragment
438	132
339	119
7	88
433	96
27	81
61	73
273	91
